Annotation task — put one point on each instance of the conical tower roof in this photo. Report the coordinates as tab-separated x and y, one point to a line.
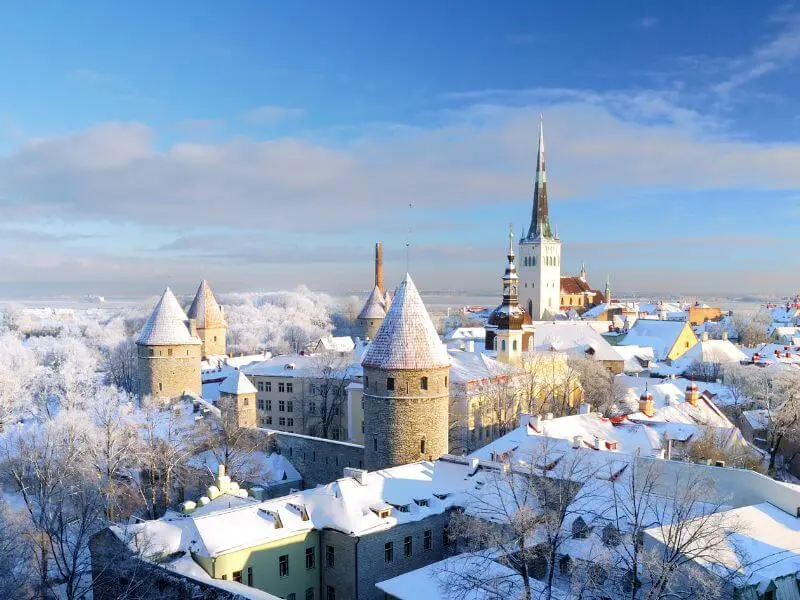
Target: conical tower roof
204	308
237	383
167	324
407	338
374	307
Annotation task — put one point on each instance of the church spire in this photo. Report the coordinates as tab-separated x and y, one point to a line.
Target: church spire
540	218
608	289
510	278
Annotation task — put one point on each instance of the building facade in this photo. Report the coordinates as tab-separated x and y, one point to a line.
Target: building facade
540	252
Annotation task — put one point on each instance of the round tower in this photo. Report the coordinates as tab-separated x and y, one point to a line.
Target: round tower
406	386
168	352
371	316
210	319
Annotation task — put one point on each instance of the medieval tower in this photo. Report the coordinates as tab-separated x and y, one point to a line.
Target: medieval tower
406	386
210	320
168	352
374	310
504	327
540	251
237	400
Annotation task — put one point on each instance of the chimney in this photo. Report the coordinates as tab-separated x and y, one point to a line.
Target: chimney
647	406
585	408
577	442
524	419
599	443
548	417
536	422
379	266
692	394
705	336
725	335
359	475
469	345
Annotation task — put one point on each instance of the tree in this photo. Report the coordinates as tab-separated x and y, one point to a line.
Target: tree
122	366
713	445
323	407
17	367
15	575
234	447
751	327
548	383
600	388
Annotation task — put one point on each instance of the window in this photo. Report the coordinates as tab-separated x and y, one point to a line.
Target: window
260	386
246	401
269	404
150	352
224	577
312	407
269	420
281	406
283	565
388	552
375	443
289	406
331	593
289	388
291	596
330	557
309	558
267	386
237	576
503	345
427	540
160	386
366	381
446	536
169	351
281	387
250	576
390	383
423	383
514	345
282	421
445	381
309	593
290	422
422	446
261	405
408	546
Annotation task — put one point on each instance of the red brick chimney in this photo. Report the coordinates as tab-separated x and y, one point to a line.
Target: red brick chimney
379	266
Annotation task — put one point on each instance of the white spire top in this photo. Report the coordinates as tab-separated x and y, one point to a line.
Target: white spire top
407	338
204	308
237	383
167	325
375	306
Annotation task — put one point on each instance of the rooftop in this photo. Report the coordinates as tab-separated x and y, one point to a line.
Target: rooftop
237	383
204	308
167	324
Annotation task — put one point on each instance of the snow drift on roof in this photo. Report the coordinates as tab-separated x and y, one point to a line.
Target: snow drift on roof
167	324
205	309
407	338
237	383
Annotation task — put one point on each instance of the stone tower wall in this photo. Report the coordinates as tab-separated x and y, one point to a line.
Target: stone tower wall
210	346
370	327
240	408
170	371
396	421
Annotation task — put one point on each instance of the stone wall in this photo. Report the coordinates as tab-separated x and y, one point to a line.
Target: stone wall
213	340
370	327
318	460
407	423
239	409
170	372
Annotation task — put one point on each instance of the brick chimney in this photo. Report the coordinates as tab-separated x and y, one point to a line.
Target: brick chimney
379	266
692	394
647	405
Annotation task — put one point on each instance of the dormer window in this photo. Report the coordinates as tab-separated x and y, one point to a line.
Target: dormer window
421	501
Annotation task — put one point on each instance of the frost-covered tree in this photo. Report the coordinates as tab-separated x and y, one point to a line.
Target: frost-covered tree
17	367
121	366
66	374
751	327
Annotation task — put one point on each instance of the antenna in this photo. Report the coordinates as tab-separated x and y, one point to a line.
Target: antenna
408	235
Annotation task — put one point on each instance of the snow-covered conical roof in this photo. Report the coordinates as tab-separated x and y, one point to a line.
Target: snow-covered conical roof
374	307
407	338
237	383
205	309
167	324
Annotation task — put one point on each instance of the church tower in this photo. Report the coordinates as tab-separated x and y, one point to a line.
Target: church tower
406	387
504	327
540	251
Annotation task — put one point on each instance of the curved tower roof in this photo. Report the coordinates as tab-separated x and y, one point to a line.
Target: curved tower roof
407	338
204	308
167	324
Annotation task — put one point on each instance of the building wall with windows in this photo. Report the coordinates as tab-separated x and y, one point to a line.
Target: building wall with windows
278	567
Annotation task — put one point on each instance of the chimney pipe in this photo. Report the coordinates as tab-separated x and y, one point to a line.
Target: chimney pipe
379	266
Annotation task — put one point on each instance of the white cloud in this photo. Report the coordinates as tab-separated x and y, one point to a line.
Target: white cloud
270	114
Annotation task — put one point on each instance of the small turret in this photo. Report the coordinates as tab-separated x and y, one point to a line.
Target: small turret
647	405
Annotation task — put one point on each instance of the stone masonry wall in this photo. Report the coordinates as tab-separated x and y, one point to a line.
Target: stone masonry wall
211	347
397	421
241	408
171	371
370	327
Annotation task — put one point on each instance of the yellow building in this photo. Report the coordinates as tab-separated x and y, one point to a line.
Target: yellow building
668	339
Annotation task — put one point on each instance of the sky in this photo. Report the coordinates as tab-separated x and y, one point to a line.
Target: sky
263	145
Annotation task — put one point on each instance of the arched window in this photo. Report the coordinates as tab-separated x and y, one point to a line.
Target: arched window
533	261
423	383
530	309
514	345
503	345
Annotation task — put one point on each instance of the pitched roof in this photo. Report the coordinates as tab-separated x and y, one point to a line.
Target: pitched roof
205	309
659	335
574	285
237	383
167	324
374	307
407	338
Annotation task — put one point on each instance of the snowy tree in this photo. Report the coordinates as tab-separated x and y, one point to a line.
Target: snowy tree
122	367
66	376
600	388
234	447
17	366
751	327
324	405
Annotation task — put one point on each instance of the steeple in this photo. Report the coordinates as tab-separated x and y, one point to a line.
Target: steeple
510	278
583	272
608	289
540	218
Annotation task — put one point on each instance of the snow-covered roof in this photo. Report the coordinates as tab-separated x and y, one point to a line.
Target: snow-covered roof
237	383
574	337
205	309
468	366
342	343
710	352
634	357
466	333
167	324
658	335
407	338
375	306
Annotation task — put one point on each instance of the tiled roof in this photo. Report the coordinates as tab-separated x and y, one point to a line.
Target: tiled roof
374	307
205	309
167	324
574	285
237	383
407	338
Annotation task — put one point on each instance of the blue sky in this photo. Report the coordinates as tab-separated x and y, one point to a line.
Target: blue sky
266	144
